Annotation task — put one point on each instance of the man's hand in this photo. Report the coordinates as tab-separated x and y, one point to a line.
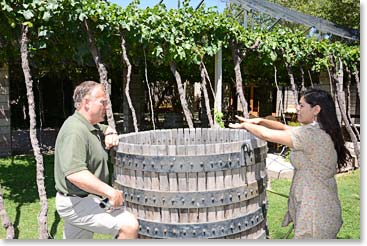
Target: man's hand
111	138
115	199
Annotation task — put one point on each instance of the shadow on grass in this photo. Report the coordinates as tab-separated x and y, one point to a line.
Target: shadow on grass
18	179
54	226
18	182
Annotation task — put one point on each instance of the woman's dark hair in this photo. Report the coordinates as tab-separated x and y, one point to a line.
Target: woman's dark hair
328	121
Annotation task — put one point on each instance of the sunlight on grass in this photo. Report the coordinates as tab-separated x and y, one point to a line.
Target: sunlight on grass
18	184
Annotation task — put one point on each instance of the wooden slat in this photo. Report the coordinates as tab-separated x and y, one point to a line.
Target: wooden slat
173	186
164	186
236	181
219	185
228	209
192	185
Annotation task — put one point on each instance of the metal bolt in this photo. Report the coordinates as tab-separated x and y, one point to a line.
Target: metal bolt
173	201
138	197
148	228
202	200
156	230
165	231
194	232
163	200
183	200
154	199
239	225
213	199
239	195
140	228
230	197
193	201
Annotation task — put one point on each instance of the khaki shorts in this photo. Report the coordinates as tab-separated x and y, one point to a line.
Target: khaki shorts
83	217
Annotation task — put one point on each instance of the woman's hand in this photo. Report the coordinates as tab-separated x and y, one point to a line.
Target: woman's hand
237	125
244	122
255	121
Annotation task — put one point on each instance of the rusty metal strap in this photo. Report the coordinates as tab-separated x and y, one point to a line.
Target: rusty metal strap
204	163
200	230
196	199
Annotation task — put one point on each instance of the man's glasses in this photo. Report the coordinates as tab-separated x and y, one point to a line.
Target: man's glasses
103	102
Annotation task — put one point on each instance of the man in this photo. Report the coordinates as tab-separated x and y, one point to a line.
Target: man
81	171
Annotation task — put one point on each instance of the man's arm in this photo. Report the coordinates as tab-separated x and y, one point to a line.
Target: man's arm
85	180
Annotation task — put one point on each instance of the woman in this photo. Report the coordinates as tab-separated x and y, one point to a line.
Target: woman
317	151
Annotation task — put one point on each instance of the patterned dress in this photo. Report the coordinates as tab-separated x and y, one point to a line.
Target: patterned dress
313	203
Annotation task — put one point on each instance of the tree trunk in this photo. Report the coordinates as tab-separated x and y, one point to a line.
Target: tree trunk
208	79
348	102
205	92
293	84
42	218
309	74
303	88
338	78
149	90
7	225
102	71
281	98
128	76
181	92
356	76
237	70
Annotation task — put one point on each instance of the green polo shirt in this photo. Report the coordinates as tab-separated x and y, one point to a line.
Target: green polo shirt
79	146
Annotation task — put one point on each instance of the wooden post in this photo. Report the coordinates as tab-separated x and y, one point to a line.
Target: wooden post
218	84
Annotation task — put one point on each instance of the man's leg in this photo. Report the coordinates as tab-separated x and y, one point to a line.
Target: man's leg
129	226
73	232
85	214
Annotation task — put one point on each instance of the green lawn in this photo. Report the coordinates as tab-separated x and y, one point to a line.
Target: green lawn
18	184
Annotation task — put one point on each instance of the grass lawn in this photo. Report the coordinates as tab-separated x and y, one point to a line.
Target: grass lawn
18	184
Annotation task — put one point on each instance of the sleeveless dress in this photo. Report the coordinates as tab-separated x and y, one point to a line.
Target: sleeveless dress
313	203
